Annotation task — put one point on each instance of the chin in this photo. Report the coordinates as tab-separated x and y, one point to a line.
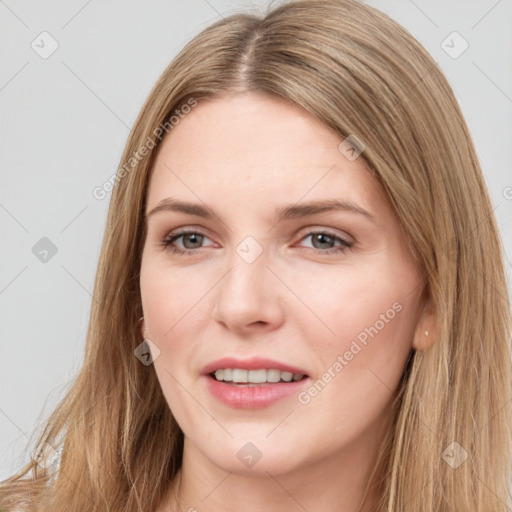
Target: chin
254	458
262	468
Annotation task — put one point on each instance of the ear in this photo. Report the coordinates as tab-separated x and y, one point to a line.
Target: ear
143	328
425	334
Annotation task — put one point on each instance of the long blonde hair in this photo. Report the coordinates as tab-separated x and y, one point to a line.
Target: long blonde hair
361	73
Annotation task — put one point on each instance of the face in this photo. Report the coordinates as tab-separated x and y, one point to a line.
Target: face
328	298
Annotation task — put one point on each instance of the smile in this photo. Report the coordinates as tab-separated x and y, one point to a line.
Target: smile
237	376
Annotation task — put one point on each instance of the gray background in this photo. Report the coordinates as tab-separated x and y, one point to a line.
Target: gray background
65	119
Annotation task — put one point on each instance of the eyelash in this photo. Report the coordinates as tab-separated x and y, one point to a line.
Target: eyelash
168	240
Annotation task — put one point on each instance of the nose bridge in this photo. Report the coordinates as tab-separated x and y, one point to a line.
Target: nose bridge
245	294
248	264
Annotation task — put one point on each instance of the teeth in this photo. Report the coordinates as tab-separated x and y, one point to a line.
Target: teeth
239	375
257	376
287	376
252	377
273	375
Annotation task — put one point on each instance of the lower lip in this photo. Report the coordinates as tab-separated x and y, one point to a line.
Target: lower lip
254	397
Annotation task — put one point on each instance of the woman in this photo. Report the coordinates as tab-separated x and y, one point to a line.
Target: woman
276	372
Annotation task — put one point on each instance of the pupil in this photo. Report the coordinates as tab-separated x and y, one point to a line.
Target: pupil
321	236
193	236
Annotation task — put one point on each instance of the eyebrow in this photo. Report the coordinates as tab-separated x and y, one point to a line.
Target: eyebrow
292	211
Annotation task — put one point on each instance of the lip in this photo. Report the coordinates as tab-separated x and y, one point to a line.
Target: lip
254	363
256	397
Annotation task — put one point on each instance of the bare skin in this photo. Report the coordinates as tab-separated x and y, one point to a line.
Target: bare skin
245	156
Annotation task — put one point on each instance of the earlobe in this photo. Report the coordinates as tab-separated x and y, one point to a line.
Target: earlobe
426	333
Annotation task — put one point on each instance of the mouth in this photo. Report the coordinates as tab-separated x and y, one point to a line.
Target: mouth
253	383
240	377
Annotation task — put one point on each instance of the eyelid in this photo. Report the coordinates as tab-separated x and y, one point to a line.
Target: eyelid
175	234
347	242
328	230
305	230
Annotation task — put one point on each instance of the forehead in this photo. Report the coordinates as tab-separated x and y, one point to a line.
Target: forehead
257	148
251	125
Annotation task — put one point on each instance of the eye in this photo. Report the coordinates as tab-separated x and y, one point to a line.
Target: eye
195	237
322	238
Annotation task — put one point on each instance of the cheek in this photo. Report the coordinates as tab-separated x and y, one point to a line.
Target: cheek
364	304
166	301
171	301
372	314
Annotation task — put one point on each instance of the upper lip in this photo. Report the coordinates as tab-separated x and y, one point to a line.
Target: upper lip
254	363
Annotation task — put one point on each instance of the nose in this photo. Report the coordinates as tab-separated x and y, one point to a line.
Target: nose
249	296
